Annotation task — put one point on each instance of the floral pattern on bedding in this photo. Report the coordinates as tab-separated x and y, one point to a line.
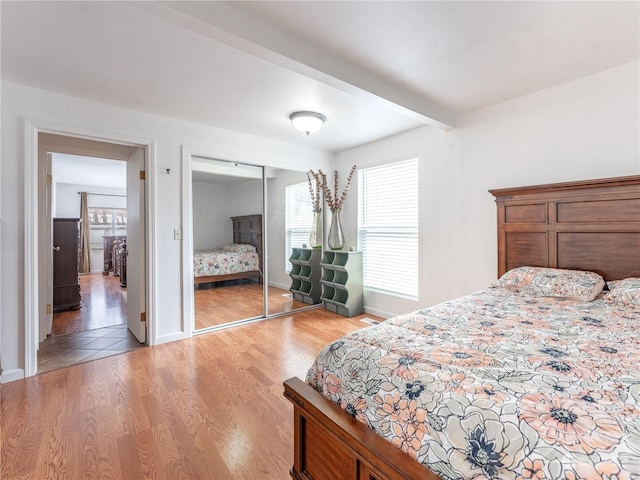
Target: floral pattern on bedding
216	262
553	282
624	292
498	385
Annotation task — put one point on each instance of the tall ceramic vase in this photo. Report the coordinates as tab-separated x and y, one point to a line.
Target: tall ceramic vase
336	237
315	238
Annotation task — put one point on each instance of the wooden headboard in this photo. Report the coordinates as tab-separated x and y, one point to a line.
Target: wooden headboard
586	225
248	229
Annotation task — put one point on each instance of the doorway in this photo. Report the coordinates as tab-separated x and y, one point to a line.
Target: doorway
110	309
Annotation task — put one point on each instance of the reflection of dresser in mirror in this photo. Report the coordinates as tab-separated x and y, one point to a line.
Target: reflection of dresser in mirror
66	285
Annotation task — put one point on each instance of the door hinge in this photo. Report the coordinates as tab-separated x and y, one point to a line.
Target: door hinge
49	179
143	316
48	308
143	175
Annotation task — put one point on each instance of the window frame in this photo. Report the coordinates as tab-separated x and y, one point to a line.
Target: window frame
297	231
405	244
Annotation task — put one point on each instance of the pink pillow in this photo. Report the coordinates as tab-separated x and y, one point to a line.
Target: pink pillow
238	248
552	282
624	292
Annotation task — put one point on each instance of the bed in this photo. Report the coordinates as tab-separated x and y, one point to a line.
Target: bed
535	376
239	260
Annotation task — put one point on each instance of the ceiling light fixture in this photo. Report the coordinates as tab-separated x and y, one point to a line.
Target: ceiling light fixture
307	122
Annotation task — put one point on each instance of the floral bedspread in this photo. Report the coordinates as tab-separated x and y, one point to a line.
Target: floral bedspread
216	262
496	385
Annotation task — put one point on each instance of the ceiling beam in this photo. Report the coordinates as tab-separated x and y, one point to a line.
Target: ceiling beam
222	22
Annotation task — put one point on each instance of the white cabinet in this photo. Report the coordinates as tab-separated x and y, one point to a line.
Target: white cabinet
305	275
342	282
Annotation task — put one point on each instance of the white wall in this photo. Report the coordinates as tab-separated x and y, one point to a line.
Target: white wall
213	206
211	224
246	198
20	103
67	200
589	128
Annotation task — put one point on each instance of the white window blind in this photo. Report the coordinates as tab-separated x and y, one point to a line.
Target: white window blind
388	227
298	218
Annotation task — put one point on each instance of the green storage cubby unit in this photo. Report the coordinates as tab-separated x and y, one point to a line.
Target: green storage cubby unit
305	275
342	282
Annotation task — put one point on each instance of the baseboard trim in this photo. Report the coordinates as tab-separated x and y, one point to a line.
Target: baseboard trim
12	375
378	313
171	337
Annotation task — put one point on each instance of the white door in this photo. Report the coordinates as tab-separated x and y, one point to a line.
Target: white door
136	229
46	247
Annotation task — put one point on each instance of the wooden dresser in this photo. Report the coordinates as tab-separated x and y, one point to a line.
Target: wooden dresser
66	285
108	242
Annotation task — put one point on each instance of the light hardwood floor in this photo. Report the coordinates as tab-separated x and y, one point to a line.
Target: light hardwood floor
102	305
210	407
231	302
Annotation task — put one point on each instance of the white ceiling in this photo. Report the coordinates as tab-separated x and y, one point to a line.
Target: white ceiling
373	68
90	171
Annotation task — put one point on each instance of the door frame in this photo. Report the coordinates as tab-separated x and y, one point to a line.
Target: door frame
33	173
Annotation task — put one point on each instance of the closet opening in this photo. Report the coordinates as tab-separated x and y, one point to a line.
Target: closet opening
238	246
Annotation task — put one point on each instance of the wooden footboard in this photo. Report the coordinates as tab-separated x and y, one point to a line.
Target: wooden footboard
229	276
331	445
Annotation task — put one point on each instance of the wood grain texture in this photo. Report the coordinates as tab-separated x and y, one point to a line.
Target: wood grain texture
237	301
101	305
592	225
210	407
324	431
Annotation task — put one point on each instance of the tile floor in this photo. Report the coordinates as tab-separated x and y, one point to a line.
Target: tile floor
65	350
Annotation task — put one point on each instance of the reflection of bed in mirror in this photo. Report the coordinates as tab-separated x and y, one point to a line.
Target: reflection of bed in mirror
239	260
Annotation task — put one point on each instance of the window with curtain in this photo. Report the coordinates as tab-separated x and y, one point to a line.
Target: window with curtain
388	227
298	218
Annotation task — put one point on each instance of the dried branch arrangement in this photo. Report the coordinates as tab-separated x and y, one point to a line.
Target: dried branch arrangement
317	183
333	200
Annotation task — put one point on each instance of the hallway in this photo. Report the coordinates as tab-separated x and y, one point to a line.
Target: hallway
103	304
97	330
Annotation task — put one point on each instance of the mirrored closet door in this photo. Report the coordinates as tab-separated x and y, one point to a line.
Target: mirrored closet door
246	220
289	222
228	256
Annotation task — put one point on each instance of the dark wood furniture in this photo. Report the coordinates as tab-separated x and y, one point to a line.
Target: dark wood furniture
246	229
108	242
588	225
120	260
66	284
